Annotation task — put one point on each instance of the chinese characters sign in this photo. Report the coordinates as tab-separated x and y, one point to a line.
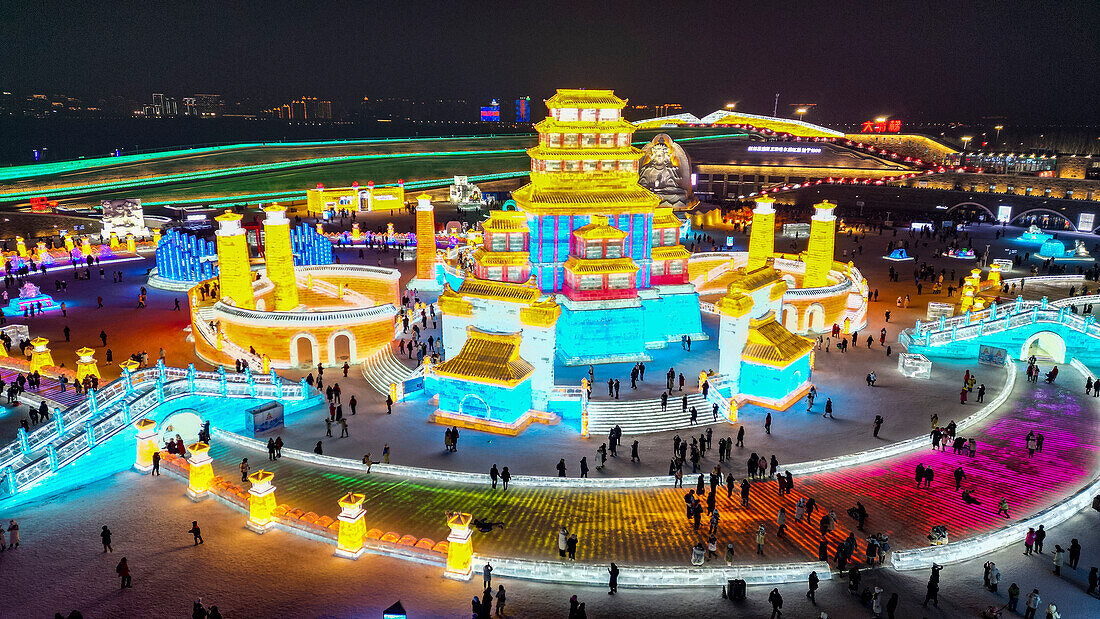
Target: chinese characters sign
881	126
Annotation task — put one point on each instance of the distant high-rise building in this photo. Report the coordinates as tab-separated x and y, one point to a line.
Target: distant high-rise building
208	104
491	112
523	110
171	107
158	104
189	106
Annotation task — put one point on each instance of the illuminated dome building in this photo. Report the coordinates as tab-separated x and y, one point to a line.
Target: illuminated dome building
291	316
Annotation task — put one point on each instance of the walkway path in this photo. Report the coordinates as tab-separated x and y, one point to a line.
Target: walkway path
51	389
649	525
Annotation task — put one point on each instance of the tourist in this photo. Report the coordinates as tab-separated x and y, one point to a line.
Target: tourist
613	579
500	600
245	468
105	536
1059	555
123	571
318	449
1031	604
828	408
196	532
571	546
761	535
1093	580
156	464
1013	596
776	600
1040	537
768	424
278	447
1074	553
813	584
584	465
343	427
1029	541
270	449
561	467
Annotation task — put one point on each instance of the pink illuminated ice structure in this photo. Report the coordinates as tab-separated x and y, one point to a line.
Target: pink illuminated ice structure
30	296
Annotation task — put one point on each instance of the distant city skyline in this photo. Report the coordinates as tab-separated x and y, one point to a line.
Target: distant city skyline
1028	63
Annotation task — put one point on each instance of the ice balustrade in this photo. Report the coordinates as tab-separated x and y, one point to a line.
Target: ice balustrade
84	437
652	576
335	317
997	320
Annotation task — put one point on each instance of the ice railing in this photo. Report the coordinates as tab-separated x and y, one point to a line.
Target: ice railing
319	317
997	319
100	402
651	575
120	414
350	269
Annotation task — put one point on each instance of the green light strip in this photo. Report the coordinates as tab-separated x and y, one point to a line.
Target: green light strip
270	167
238	170
43	169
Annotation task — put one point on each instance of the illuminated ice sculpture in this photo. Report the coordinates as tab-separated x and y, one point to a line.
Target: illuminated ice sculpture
261	502
460	547
352	527
913	365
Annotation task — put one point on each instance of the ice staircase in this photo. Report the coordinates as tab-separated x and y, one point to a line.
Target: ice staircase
383	368
51	389
646	416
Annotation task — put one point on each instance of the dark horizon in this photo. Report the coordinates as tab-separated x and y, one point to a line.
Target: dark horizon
1029	64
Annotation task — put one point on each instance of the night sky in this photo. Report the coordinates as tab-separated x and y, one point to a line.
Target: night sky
931	61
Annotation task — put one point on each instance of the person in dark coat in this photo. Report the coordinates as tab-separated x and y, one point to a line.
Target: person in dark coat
613	580
776	601
105	535
123	571
813	588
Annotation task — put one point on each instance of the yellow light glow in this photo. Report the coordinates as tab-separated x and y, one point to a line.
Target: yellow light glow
261	498
146	444
822	244
235	271
200	475
353	527
460	547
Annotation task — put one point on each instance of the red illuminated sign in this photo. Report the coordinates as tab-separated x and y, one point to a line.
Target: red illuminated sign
43	205
881	126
